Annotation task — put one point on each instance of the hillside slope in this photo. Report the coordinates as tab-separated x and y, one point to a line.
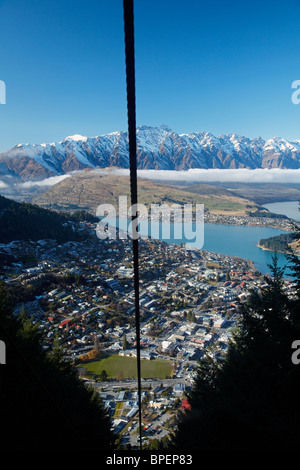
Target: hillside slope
88	189
24	221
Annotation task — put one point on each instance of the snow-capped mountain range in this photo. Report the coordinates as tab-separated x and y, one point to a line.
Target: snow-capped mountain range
157	148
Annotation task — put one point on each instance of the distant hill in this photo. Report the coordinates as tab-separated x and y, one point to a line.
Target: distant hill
24	221
88	189
264	193
212	190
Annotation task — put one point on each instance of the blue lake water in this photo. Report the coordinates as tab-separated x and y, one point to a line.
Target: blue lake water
237	240
288	208
232	240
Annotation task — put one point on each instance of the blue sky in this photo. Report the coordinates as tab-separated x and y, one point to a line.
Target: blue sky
209	66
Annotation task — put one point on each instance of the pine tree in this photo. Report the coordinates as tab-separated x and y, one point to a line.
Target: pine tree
43	402
124	342
249	399
103	375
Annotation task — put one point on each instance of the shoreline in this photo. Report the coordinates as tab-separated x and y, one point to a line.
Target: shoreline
269	249
296	252
244	221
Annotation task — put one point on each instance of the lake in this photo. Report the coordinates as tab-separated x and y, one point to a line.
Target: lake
237	240
232	240
288	208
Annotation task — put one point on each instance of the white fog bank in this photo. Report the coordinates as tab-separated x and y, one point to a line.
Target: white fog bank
274	175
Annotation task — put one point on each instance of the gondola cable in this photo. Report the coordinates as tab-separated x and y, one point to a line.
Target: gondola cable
131	113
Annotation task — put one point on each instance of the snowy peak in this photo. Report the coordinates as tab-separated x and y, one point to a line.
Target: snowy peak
157	148
76	138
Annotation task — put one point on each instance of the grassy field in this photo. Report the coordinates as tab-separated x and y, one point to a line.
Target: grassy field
125	367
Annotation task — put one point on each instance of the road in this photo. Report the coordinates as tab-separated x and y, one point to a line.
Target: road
155	430
130	383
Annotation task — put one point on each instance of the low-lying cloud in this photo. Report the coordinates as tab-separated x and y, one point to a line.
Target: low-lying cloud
191	176
43	183
242	175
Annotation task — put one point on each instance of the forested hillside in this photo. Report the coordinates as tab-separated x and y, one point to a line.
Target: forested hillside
43	403
24	221
280	243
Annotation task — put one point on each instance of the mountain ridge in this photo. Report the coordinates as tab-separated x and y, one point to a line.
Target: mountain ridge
158	148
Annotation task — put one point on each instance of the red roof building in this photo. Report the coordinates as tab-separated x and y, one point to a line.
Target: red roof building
185	404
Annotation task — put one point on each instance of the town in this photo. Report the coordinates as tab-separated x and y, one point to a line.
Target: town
81	294
283	223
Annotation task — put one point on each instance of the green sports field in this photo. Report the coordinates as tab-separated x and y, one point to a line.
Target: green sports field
117	366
